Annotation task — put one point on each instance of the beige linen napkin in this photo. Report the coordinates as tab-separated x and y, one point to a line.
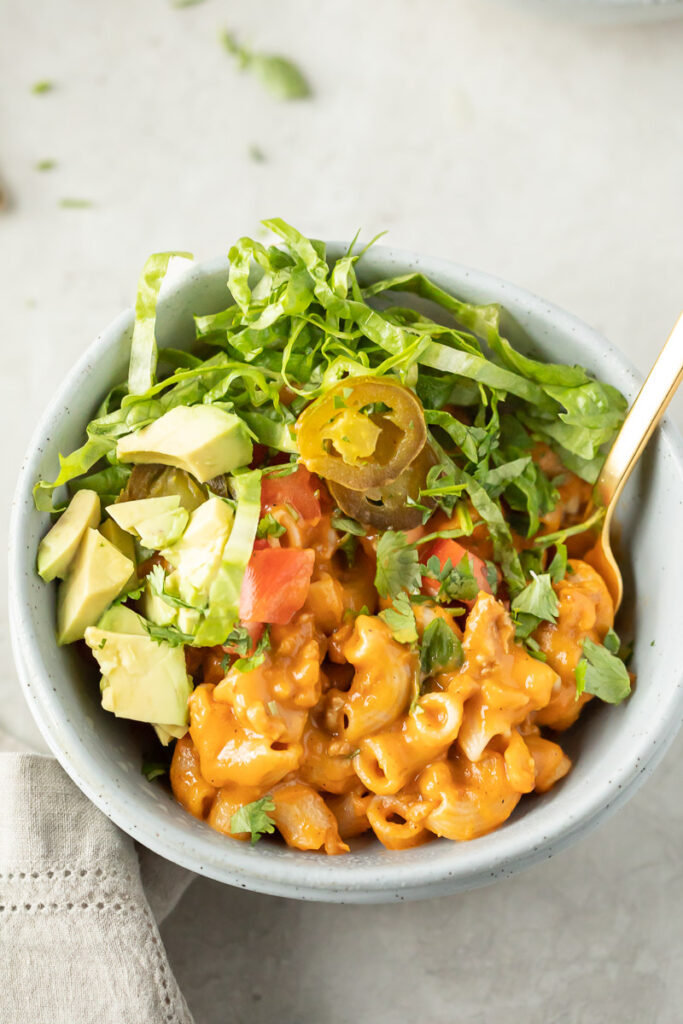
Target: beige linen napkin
79	908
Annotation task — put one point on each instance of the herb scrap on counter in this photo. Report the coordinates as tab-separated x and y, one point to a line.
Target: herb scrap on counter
278	75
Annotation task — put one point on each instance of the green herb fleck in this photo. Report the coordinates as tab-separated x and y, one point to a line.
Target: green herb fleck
153	769
168	635
280	76
601	673
440	650
258	657
70	203
254	818
269	527
46	165
42	87
347	525
256	154
398	567
400	619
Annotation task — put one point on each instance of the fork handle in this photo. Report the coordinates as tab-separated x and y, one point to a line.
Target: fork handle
644	415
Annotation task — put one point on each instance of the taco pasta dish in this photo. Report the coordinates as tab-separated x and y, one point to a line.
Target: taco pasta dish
336	554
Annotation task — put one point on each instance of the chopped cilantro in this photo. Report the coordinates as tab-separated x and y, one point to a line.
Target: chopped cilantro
153	769
269	527
168	635
535	604
601	673
455	583
254	818
71	203
557	569
348	525
398	566
400	619
156	578
258	657
440	649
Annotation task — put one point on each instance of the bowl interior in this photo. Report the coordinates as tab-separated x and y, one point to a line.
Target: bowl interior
611	746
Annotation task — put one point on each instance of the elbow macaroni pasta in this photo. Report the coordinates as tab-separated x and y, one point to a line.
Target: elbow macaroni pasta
333	728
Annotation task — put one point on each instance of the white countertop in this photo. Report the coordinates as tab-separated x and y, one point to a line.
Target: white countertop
542	152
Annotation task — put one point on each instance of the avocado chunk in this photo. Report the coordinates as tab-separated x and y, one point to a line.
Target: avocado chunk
59	546
141	679
98	574
166	733
125	544
196	557
119	619
155	521
201	439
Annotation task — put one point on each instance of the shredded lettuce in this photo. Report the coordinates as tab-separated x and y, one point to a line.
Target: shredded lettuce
143	351
296	325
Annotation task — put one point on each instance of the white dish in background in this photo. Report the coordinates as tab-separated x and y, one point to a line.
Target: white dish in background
607	11
613	748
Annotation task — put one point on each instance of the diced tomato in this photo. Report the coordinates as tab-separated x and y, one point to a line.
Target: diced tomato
298	489
449	550
275	584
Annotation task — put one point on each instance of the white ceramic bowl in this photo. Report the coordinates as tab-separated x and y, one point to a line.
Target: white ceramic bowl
614	748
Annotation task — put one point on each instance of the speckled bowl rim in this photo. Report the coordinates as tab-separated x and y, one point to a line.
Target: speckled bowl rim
312	877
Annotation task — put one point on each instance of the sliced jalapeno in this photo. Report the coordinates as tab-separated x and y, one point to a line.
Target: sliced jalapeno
362	433
387	507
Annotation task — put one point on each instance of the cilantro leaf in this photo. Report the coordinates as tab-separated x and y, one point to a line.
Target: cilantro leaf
557	569
601	673
398	566
269	527
440	649
156	578
153	769
168	634
254	818
400	619
278	75
538	598
347	525
258	657
239	641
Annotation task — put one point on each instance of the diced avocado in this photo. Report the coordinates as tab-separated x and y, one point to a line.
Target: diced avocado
59	546
98	574
188	620
141	679
119	619
124	542
196	557
201	439
156	610
166	733
157	522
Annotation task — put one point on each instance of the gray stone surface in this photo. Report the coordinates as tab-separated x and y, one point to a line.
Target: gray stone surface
545	153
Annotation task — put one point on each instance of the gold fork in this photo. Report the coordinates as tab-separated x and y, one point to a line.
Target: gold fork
643	416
